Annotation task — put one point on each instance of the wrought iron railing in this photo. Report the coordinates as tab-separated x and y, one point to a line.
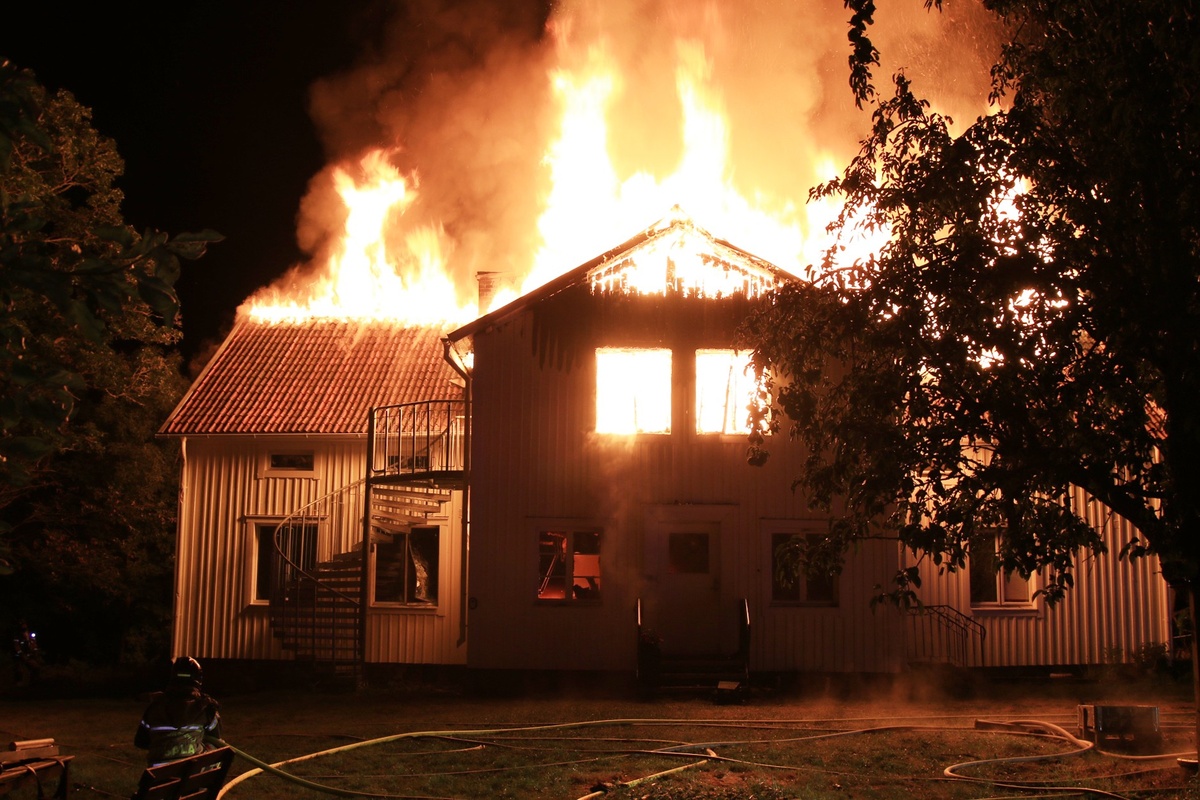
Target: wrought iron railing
943	634
315	608
418	440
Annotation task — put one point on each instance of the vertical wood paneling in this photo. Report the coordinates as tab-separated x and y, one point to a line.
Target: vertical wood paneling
221	488
534	458
1116	605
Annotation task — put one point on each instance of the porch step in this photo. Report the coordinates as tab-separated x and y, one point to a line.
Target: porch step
699	673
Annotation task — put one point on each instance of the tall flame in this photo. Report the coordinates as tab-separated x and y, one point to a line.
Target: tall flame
392	253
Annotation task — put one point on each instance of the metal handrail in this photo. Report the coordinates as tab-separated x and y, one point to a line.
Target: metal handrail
418	439
290	580
967	634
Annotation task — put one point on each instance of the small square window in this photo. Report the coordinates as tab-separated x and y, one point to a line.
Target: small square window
569	565
790	582
633	390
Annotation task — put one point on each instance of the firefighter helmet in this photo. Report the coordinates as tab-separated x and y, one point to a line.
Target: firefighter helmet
187	671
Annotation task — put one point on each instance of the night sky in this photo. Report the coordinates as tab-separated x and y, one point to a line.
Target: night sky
207	102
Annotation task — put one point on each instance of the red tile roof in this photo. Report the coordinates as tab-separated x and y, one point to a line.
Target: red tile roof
315	377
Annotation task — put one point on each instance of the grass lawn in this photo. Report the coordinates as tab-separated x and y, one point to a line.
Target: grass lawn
421	741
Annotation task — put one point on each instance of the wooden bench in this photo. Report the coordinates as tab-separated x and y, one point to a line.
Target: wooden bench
31	761
198	777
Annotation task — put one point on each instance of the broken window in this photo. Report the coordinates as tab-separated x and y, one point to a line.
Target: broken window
724	391
297	543
992	587
633	390
406	567
568	565
791	583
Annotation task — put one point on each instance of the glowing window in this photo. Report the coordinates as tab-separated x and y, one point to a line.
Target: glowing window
992	587
568	565
633	390
724	389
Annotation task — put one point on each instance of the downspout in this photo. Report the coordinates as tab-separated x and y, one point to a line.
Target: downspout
180	521
454	360
364	593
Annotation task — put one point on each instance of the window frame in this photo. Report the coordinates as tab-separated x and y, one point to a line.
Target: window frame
741	428
405	604
256	527
1002	604
667	385
570	530
267	469
778	529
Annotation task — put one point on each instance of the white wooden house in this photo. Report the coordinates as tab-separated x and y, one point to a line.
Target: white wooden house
275	441
602	485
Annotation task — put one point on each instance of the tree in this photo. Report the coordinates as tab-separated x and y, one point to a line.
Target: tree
1033	321
88	368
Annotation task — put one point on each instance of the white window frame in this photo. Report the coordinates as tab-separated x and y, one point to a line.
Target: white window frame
266	470
252	558
436	604
1006	588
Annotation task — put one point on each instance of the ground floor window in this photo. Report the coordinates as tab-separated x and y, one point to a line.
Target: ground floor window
406	567
992	587
791	583
568	565
297	546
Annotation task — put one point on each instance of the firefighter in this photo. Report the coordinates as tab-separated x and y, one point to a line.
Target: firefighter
178	721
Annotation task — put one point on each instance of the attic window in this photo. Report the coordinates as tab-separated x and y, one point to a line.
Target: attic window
291	463
633	390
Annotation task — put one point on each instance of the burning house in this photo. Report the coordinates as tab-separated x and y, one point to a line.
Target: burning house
377	471
588	441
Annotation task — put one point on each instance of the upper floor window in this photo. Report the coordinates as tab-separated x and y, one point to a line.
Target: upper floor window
992	587
568	565
289	464
724	389
633	390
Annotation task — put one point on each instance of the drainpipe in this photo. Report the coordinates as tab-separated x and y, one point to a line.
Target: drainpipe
455	361
364	593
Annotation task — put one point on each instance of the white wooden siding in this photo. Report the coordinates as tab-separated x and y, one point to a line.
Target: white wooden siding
223	490
1115	605
534	458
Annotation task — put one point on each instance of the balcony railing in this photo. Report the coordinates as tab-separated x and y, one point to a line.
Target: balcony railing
420	440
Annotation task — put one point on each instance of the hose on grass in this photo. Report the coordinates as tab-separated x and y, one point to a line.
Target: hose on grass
952	772
600	792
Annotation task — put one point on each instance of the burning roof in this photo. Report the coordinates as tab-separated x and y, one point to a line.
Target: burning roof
311	377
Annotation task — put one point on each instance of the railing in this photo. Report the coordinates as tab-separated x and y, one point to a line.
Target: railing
744	634
418	440
943	634
315	618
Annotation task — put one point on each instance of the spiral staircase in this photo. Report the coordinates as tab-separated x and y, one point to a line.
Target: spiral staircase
416	457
